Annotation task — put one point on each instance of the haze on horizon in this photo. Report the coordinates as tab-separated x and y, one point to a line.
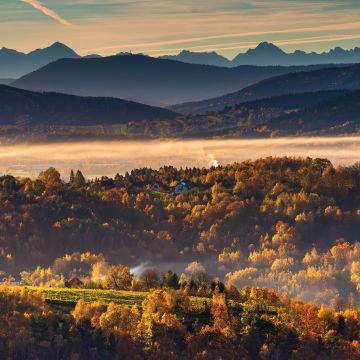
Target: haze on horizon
159	27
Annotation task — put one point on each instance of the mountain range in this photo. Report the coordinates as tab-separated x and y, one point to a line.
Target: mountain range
144	79
14	64
30	108
267	54
331	78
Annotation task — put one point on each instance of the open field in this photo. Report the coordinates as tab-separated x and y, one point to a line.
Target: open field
69	297
72	296
65	299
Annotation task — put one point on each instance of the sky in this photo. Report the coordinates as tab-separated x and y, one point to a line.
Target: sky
158	27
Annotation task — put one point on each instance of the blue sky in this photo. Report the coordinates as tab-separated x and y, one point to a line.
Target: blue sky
161	27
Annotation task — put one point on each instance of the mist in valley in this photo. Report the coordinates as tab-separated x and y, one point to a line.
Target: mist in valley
96	159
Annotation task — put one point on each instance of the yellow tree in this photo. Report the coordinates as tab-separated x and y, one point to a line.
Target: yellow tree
118	277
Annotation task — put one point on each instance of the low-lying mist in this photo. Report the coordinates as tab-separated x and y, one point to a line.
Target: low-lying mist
110	157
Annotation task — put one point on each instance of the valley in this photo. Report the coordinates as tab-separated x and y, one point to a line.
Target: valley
179	180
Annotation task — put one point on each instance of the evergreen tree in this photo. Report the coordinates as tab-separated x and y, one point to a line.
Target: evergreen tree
170	280
72	177
79	180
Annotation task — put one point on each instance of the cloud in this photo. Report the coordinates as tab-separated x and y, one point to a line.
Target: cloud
144	46
37	5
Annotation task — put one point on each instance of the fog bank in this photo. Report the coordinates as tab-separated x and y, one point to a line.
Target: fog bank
109	157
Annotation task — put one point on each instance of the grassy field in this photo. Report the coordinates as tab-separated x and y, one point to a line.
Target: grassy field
69	297
72	296
63	299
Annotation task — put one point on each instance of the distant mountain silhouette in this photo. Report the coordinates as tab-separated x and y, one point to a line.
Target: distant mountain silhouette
145	79
14	64
31	108
332	78
206	58
267	54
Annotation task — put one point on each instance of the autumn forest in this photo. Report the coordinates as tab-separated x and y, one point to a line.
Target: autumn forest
267	248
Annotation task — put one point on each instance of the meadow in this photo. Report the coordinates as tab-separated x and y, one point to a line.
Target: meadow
67	298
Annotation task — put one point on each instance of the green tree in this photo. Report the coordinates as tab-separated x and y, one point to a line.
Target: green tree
72	177
79	180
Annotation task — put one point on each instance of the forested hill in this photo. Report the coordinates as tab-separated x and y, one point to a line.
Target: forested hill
32	108
290	224
337	115
314	113
146	79
318	80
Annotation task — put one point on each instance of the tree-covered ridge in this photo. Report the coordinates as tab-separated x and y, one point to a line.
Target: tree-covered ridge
26	110
291	224
313	113
167	325
325	79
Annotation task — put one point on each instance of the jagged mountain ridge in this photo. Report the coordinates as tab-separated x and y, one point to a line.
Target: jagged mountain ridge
267	54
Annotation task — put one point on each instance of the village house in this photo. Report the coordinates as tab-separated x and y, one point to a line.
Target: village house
181	188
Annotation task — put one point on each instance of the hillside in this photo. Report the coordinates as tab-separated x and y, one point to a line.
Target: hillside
333	78
67	298
332	116
320	113
242	223
145	79
52	116
26	108
315	113
255	323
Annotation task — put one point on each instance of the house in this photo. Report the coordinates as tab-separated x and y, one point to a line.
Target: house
155	187
181	188
74	283
159	187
